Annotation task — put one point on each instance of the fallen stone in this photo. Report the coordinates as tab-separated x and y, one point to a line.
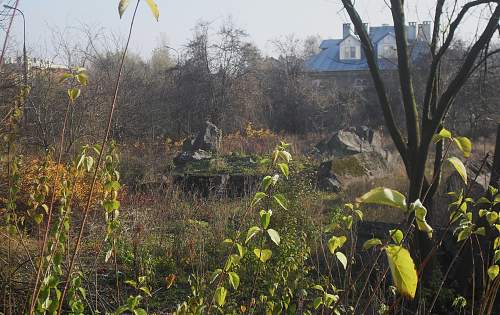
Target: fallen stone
350	141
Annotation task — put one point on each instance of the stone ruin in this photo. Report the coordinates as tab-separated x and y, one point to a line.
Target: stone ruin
351	152
201	147
193	167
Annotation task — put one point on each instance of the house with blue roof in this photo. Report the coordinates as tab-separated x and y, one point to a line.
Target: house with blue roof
343	58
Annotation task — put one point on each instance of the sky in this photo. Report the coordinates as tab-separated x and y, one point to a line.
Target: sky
264	20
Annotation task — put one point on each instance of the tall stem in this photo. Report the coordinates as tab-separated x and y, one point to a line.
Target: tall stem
36	288
99	159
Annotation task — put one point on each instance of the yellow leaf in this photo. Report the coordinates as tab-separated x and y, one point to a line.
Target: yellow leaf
154	9
122	6
403	270
460	167
384	196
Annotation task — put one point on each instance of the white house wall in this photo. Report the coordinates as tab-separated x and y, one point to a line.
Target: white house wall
350	42
388	40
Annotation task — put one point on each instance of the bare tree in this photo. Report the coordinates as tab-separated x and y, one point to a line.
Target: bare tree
421	126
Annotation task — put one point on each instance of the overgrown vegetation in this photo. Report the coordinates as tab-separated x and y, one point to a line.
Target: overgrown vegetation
76	241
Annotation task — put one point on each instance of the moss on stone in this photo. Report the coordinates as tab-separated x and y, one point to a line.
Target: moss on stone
348	166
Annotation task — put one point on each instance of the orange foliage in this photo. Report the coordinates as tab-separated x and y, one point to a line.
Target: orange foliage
56	174
250	140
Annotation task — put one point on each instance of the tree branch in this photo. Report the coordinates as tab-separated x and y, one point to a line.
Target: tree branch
405	77
436	57
464	72
377	80
431	80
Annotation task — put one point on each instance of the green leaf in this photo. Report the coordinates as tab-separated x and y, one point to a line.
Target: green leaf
464	144
443	134
480	231
241	250
284	169
82	78
234	279
215	275
265	218
317	302
459	167
403	270
110	205
38	218
275	237
420	214
73	94
266	182
496	257
122	6
154	9
342	258
492	217
397	236
335	243
263	254
220	296
64	77
140	311
280	200
464	234
359	214
493	272
251	233
329	299
371	243
384	196
258	197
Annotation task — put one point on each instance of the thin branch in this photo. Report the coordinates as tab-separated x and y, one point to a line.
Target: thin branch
405	77
377	80
99	159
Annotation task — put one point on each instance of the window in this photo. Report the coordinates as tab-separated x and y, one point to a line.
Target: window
353	52
388	51
349	52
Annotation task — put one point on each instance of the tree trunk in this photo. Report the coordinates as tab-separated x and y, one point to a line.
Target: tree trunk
495	170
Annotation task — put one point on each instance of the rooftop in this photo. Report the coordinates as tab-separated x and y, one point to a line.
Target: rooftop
329	59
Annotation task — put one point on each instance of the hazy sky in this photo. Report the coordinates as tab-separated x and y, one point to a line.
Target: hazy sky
262	19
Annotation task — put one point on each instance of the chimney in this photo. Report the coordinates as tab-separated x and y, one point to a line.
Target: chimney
424	31
412	31
346	30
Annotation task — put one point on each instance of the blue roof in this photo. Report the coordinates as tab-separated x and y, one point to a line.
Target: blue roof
328	59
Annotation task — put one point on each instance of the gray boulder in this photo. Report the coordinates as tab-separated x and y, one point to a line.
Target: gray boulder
350	141
209	139
201	147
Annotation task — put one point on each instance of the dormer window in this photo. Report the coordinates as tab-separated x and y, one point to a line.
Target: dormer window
388	51
349	52
350	49
387	47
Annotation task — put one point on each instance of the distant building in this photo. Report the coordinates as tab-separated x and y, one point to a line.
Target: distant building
344	58
35	65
